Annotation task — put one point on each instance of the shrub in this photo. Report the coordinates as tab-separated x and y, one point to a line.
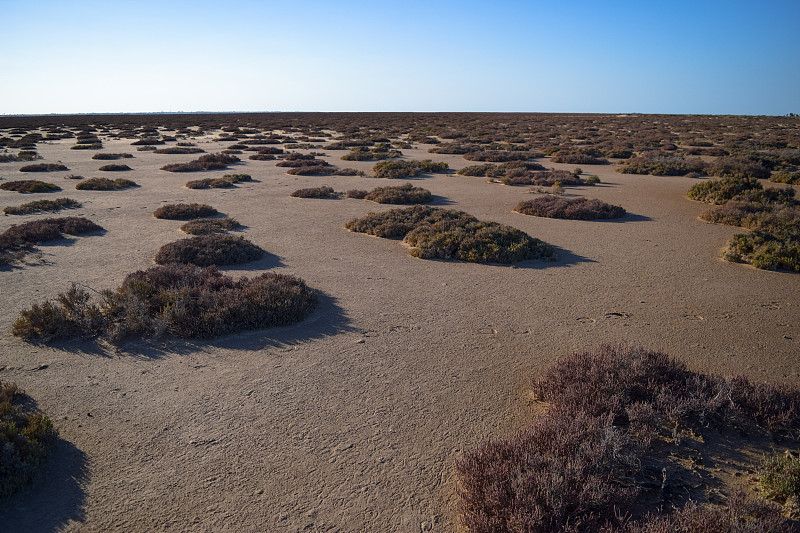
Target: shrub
379	152
401	194
29	186
108	156
148	141
312	170
114	168
105	184
43	167
228	180
17	239
496	156
545	178
26	437
579	159
593	180
792	178
183	300
88	146
572	209
779	479
435	233
720	191
737	168
588	462
179	150
262	157
204	162
659	164
207	226
184	211
315	192
23	155
406	169
206	250
146	148
42	205
356	193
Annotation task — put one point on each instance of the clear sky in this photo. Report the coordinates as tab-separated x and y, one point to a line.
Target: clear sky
647	56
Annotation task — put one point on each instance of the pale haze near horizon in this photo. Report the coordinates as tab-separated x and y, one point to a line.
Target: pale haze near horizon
718	57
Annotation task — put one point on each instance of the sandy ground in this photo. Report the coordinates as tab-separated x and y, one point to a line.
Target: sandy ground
352	420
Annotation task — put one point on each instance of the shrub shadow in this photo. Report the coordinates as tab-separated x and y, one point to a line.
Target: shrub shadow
441	200
629	217
564	258
55	498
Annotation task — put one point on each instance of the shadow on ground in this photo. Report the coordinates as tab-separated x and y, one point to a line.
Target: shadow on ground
54	499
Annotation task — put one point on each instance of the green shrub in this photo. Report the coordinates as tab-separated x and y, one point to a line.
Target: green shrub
792	178
720	191
572	209
42	205
779	479
184	211
593	180
105	184
207	226
401	194
207	250
26	438
29	186
435	233
183	300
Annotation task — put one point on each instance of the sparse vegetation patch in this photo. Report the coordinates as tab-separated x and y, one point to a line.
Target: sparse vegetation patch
572	209
207	250
207	226
184	211
42	205
43	167
29	186
105	184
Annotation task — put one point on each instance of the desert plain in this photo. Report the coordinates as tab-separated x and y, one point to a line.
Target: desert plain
352	419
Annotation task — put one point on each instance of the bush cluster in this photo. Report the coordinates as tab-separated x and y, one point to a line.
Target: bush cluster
29	186
496	156
42	205
183	300
207	250
792	178
578	158
179	150
510	169
379	152
772	214
661	164
114	168
542	178
23	155
435	233
43	167
105	184
26	437
204	162
228	180
572	209
615	417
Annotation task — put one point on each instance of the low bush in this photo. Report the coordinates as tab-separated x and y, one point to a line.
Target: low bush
43	167
23	155
510	169
206	250
183	300
148	141
146	148
779	480
114	168
660	164
356	193
228	180
110	156
105	184
733	167
613	428
792	178
262	157
401	194
18	239
26	438
315	192
204	162
184	211
42	205
496	156
207	226
29	186
179	150
435	233
87	146
543	178
572	209
406	169
593	180
312	170
579	159
380	151
720	191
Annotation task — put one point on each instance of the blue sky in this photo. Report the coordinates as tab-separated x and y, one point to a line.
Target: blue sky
717	57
